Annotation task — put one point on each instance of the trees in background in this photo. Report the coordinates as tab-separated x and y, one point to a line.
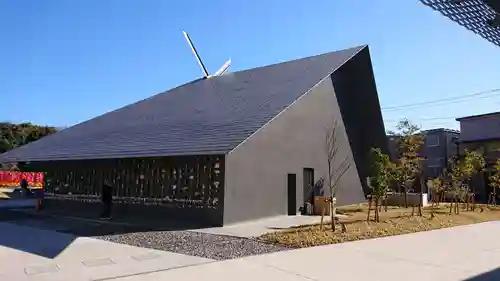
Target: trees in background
379	179
457	182
475	164
407	166
15	135
461	172
437	188
494	180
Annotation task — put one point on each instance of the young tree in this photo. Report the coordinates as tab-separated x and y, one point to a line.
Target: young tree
457	176
477	164
462	170
379	178
337	167
407	167
472	163
437	188
494	179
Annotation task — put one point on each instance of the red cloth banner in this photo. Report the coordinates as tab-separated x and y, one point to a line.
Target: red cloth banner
13	179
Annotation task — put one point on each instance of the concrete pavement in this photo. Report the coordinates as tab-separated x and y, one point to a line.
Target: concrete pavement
28	253
13	204
449	254
258	227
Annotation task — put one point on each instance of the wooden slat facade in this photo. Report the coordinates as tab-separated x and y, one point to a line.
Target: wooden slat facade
192	186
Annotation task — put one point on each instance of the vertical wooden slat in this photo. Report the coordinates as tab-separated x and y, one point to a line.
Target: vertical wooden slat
152	179
197	180
198	195
123	179
127	179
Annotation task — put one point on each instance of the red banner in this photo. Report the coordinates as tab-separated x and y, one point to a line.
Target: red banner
13	179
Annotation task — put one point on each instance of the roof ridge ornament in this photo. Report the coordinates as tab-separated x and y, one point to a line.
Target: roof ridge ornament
219	72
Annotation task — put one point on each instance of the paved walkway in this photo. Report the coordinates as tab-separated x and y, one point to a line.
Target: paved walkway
261	226
12	204
449	254
28	253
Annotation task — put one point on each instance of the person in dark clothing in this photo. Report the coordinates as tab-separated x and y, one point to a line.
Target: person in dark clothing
107	200
24	186
24	183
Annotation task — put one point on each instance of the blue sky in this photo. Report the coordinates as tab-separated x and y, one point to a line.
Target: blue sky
62	62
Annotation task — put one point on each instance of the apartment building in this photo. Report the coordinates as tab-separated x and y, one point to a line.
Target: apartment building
481	133
439	146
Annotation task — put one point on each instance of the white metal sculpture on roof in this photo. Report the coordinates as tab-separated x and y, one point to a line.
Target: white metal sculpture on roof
221	70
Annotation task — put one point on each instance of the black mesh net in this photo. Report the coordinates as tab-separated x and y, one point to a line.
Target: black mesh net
479	16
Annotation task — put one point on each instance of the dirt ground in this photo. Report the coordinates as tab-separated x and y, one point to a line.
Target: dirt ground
395	221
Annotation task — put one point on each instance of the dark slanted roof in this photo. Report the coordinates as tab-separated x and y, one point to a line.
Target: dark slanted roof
209	116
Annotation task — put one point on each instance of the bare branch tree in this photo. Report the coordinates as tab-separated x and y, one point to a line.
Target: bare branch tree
336	170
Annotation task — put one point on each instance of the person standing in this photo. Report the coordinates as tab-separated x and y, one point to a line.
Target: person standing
24	187
107	200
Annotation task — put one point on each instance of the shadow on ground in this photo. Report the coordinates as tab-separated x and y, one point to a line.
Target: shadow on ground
89	224
21	237
48	232
493	275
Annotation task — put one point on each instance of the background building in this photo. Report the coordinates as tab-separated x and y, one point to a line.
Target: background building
481	133
439	146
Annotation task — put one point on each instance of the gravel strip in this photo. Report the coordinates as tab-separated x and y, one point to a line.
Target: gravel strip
212	246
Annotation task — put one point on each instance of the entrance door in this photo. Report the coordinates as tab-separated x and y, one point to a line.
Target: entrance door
308	182
292	194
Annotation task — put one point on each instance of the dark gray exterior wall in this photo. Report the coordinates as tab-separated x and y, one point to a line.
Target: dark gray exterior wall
256	171
358	101
392	143
439	146
483	127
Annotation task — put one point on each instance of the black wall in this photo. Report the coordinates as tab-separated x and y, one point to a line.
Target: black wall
357	97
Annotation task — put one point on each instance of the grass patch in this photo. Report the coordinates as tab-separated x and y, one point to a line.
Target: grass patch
393	222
